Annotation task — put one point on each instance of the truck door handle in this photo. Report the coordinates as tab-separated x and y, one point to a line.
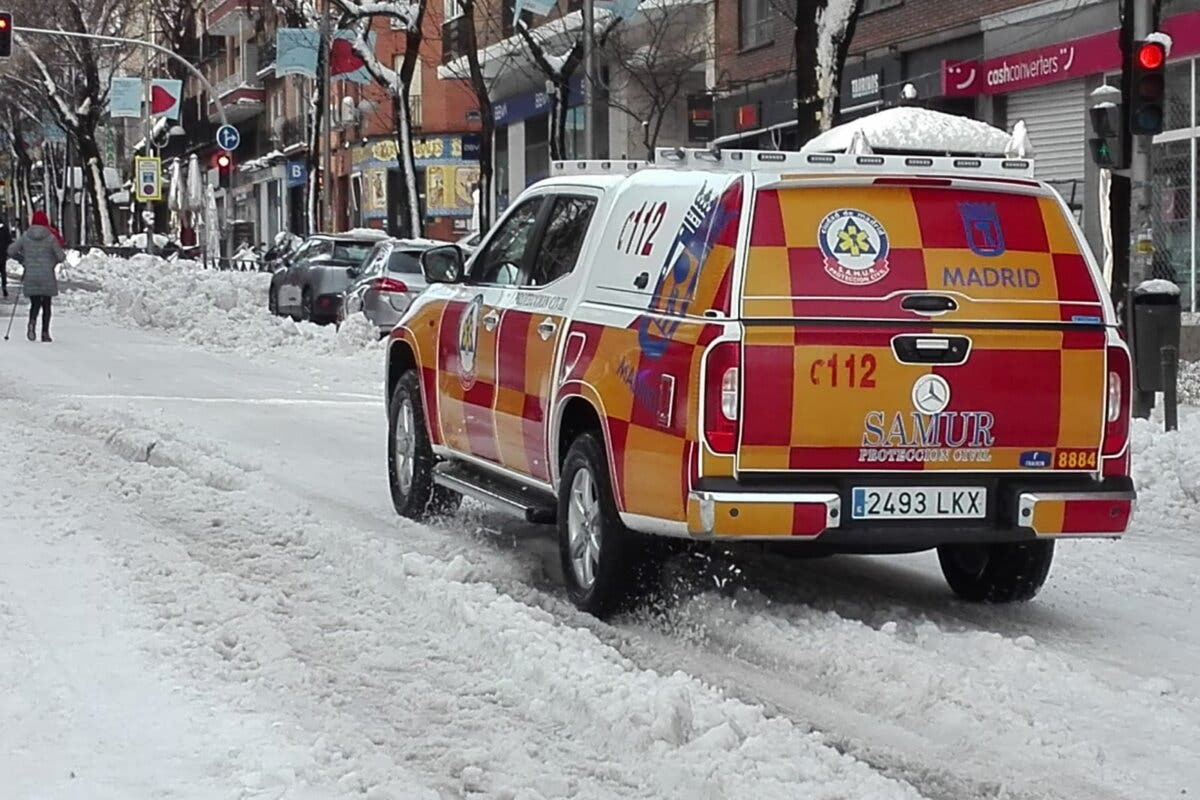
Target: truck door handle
491	320
929	349
642	280
546	328
929	303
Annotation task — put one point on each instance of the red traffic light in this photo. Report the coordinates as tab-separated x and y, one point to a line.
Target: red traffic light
223	161
1151	55
3	24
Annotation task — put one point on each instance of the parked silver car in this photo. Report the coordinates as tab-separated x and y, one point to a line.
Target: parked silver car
311	282
385	284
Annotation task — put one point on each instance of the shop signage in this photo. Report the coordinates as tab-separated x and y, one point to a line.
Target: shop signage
427	151
700	117
297	174
532	104
866	87
1065	61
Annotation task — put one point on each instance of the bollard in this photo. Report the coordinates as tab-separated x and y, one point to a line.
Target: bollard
1170	371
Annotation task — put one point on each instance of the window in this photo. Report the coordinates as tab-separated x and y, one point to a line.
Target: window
407	262
755	20
351	251
560	245
452	9
373	265
504	260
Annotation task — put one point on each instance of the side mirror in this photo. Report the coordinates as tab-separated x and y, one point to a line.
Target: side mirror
443	264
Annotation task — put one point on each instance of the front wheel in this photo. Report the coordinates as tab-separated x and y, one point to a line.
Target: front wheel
606	567
1001	572
411	459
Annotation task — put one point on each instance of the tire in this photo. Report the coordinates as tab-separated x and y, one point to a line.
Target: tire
410	474
306	305
1003	572
606	567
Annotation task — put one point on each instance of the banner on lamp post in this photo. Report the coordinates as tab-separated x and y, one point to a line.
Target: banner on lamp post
125	97
344	63
296	51
166	98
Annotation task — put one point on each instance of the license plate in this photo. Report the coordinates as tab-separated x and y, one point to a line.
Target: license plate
923	502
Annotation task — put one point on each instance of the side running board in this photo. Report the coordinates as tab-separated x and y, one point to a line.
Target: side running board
531	504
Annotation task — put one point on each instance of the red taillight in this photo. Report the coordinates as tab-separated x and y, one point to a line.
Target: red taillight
1117	400
389	286
722	401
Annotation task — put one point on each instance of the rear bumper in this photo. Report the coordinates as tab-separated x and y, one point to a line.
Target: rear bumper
1017	510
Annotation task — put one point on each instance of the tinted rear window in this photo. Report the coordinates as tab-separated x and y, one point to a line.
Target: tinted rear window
405	261
352	251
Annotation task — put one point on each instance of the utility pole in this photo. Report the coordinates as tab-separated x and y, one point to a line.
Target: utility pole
326	116
589	105
1143	16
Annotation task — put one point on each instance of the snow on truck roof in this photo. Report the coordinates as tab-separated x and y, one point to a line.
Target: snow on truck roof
911	129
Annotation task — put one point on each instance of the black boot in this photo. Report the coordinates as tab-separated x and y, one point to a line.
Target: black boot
46	335
31	332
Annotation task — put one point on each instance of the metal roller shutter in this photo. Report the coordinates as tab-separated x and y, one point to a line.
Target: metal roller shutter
1054	117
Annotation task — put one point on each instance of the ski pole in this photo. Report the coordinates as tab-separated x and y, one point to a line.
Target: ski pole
12	316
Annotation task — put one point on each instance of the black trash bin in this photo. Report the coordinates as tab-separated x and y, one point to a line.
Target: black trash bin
1156	320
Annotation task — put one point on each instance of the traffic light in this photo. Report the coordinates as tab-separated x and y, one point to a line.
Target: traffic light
1107	140
6	34
223	161
1147	87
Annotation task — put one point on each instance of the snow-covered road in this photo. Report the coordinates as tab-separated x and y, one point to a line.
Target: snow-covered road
204	592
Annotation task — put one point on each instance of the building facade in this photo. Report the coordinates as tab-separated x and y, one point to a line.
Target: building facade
997	60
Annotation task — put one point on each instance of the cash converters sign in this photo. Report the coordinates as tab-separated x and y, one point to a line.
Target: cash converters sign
1065	61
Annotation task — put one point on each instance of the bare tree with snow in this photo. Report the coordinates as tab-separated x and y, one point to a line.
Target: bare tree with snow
558	68
410	15
656	62
72	76
822	30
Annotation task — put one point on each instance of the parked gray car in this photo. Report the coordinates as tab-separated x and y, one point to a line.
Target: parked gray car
386	283
311	283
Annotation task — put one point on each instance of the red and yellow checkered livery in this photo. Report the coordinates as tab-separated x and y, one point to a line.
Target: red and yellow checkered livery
859	300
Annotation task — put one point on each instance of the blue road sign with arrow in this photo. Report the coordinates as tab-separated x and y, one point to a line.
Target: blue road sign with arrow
228	137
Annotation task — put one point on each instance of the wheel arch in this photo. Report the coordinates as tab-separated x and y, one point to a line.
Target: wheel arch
580	410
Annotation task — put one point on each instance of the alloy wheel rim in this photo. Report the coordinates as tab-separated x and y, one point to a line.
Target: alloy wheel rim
584	535
405	446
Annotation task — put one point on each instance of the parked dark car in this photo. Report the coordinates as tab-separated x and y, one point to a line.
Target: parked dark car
387	281
309	284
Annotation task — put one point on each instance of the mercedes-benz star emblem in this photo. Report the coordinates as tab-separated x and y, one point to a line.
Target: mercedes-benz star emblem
931	394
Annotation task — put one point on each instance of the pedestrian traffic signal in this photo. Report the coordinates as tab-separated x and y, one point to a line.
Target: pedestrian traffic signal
6	34
1147	87
1107	140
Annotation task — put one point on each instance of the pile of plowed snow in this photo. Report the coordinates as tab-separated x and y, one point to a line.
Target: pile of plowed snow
220	309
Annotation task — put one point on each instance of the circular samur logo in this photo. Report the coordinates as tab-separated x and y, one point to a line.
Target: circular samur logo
931	394
855	246
468	341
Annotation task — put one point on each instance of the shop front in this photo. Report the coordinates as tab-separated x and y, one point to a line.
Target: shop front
1048	86
522	138
447	171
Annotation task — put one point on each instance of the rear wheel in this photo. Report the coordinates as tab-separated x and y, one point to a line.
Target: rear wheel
1002	572
606	567
410	457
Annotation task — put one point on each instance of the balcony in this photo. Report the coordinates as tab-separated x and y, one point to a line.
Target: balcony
266	59
290	135
454	39
241	93
203	48
227	17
